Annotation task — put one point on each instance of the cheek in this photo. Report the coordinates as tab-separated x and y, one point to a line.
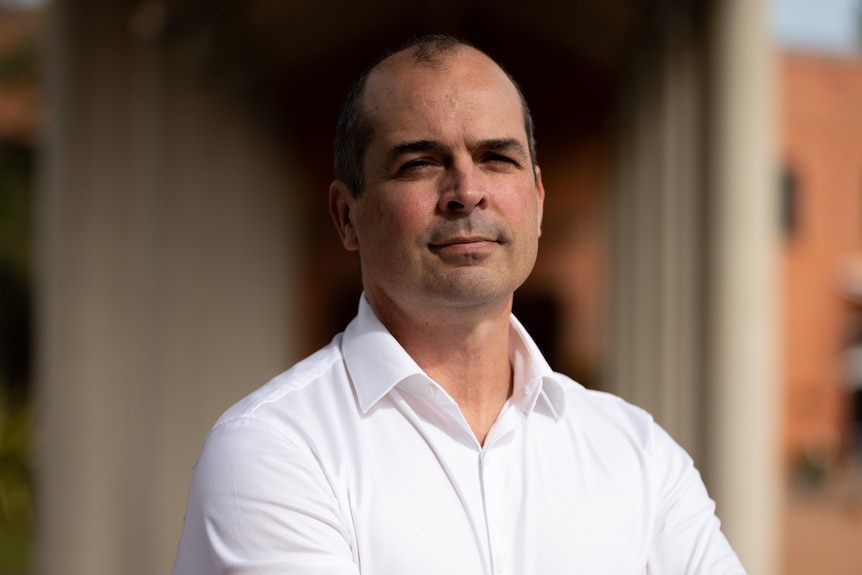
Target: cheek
522	210
391	223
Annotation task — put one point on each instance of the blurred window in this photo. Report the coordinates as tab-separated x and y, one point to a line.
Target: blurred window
789	200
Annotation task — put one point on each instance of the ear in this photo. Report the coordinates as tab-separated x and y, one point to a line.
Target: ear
341	202
540	199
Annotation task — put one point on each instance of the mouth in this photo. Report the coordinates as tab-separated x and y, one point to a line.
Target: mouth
462	241
463	250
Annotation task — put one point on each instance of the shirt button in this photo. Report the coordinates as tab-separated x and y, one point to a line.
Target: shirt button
498	564
431	389
487	460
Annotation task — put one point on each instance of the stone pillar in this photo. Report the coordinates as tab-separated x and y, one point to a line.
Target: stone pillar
166	251
743	395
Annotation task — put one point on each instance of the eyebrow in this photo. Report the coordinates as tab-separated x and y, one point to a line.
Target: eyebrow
416	146
503	144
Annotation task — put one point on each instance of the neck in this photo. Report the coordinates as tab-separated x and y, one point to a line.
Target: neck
465	351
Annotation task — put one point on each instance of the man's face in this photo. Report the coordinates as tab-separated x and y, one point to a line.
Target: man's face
451	209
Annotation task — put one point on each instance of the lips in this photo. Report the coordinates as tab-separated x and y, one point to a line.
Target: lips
463	249
462	241
466	233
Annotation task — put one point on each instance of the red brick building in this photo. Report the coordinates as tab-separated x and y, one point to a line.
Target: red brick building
821	147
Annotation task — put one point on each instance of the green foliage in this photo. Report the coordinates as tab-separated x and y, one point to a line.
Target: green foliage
16	217
16	487
18	65
18	68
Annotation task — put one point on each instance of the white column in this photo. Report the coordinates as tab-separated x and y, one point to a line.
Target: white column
743	470
166	252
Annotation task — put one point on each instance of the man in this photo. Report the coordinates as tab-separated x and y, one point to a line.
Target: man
431	436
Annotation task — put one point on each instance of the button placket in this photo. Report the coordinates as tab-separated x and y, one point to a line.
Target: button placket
490	471
499	565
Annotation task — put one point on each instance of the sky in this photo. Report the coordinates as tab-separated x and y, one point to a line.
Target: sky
818	25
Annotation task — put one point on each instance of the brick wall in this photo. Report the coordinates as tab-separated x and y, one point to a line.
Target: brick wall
821	153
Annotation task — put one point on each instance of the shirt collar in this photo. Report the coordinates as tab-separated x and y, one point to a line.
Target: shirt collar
377	363
535	381
375	360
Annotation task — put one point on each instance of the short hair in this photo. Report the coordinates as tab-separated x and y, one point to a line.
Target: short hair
354	131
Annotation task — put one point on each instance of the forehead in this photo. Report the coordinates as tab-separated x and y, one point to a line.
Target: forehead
464	85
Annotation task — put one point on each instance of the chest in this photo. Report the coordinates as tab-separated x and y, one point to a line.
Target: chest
541	498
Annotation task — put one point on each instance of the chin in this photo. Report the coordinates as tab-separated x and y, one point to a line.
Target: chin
471	295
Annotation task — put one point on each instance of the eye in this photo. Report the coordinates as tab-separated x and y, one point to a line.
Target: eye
495	158
416	164
413	166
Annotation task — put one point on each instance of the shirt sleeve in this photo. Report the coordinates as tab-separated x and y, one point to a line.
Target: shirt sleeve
258	504
687	537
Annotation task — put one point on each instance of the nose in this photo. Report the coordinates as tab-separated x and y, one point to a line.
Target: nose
464	190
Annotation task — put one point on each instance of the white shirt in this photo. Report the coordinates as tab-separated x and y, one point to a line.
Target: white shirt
355	461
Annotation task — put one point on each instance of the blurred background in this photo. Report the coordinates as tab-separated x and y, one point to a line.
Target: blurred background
165	246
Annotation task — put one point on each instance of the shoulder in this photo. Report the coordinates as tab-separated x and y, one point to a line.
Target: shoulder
608	418
257	482
625	437
601	406
281	405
